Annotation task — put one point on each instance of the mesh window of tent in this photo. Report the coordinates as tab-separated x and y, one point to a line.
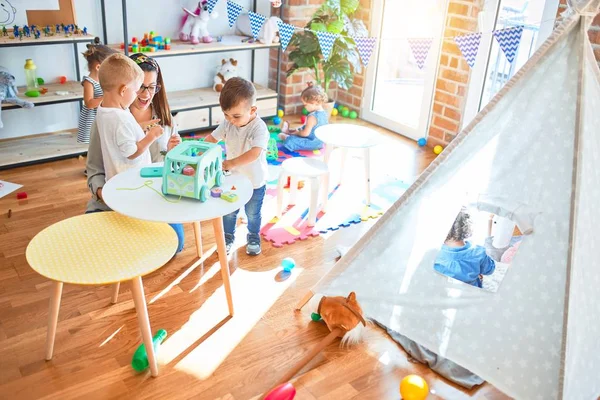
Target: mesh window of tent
192	168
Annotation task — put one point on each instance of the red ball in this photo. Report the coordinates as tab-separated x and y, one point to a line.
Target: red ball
21	195
303	119
285	391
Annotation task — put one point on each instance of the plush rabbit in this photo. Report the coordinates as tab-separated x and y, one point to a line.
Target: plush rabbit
8	92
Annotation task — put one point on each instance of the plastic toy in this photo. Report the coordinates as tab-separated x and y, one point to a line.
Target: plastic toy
151	172
21	195
272	150
226	71
413	387
285	391
274	129
32	93
353	115
189	171
438	149
43	90
280	113
233	188
139	362
304	111
31	75
196	24
345	112
62	80
334	112
277	120
206	163
268	33
8	91
288	264
422	142
216	192
230	197
41	81
303	119
315	317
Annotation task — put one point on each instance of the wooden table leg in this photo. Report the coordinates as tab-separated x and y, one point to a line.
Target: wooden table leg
55	296
198	235
139	300
368	174
343	163
220	238
115	293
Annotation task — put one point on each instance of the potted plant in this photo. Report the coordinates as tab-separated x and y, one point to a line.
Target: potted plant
334	16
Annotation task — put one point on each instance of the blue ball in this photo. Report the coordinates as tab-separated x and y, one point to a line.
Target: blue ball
422	142
288	264
336	105
276	120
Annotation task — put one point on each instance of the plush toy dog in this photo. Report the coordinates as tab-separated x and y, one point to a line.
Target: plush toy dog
8	92
226	71
195	26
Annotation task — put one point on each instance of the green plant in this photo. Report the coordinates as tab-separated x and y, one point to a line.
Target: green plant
334	16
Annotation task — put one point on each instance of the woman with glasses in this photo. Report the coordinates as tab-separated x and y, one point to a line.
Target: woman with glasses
149	107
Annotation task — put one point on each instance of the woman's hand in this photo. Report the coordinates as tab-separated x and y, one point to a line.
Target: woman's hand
228	165
174	140
99	194
145	124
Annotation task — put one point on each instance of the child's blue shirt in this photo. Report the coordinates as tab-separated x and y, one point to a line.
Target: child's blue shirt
465	263
321	117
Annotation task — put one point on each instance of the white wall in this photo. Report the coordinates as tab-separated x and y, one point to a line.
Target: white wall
183	72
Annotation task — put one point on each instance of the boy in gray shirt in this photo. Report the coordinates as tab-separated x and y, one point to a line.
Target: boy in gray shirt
246	138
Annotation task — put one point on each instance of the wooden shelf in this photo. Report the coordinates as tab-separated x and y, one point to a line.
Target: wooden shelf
229	43
10	41
206	97
74	88
33	149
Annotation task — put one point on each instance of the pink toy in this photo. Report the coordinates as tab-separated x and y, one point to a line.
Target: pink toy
508	255
21	195
189	171
285	391
195	26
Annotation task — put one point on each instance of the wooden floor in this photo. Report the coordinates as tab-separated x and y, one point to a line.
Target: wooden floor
207	355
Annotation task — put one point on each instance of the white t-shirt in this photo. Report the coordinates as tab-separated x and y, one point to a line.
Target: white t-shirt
239	140
119	133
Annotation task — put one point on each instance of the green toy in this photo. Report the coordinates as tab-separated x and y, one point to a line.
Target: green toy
315	317
353	115
304	111
32	93
206	163
41	81
272	150
345	113
139	362
274	129
229	196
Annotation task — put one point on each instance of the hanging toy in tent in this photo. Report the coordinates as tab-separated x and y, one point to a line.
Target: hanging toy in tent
276	3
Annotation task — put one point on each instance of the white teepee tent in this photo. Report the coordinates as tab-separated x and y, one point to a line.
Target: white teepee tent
533	154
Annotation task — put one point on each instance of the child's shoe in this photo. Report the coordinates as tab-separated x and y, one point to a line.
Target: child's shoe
253	246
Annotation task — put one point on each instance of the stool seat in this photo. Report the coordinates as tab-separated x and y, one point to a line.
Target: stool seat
304	166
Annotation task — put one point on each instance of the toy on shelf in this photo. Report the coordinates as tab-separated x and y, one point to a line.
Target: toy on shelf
31	75
195	27
206	159
225	71
139	362
62	80
8	91
269	32
272	150
149	44
276	121
413	387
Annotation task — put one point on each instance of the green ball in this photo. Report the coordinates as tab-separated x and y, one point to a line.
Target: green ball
304	111
345	113
32	93
353	115
315	317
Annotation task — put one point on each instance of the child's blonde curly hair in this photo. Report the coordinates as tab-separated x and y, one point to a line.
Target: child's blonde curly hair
314	94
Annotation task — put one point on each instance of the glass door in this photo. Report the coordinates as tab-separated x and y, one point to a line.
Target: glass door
399	90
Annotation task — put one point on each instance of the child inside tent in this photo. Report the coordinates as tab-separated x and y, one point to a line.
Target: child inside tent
460	259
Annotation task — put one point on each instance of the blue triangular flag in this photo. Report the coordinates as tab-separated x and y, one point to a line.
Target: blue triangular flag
256	23
326	41
469	46
365	46
233	12
509	40
420	49
286	31
211	5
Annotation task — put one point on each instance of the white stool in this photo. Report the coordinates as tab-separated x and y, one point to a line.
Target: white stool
312	169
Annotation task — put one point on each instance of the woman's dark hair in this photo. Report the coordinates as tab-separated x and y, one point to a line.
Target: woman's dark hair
461	228
96	52
160	104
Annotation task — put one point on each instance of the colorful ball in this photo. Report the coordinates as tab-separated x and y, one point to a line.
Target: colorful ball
304	111
413	387
334	112
438	149
336	105
315	317
345	112
285	391
277	120
422	142
288	264
280	113
353	115
303	119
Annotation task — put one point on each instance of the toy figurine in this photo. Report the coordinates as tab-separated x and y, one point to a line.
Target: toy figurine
196	24
8	91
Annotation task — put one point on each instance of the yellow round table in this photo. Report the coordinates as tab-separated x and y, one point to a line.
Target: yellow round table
98	249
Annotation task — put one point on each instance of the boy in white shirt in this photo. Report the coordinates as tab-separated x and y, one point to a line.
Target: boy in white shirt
246	138
124	144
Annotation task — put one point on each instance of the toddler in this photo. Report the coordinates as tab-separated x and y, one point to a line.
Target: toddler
124	143
304	138
460	259
92	92
246	137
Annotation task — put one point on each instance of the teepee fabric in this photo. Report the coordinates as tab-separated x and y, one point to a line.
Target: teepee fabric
521	145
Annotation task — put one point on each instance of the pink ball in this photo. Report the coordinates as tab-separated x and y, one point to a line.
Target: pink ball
303	119
285	391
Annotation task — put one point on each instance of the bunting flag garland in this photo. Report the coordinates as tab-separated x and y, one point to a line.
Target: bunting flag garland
256	23
365	47
469	46
211	5
420	49
509	40
286	31
326	41
233	12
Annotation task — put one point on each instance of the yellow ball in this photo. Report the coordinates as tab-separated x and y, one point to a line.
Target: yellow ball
280	113
413	387
438	149
334	112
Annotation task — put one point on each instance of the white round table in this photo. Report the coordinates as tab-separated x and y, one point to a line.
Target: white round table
348	136
145	204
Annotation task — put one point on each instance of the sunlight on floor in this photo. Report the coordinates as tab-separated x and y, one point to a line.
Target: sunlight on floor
254	293
108	339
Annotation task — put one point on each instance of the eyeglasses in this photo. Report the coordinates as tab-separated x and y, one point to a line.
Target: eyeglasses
152	89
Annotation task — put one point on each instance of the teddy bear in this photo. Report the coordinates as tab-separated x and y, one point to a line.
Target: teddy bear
195	27
8	92
226	71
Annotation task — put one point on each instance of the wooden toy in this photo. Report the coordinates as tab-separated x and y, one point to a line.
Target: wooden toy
207	164
216	192
230	197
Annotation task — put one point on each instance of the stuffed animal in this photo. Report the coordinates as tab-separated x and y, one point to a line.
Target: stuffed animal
7	13
8	92
195	26
226	71
269	33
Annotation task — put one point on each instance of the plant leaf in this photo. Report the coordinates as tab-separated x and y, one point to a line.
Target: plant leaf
338	69
355	27
349	6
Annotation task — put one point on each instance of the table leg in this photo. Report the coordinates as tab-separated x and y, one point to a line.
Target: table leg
343	163
293	188
328	150
368	174
55	295
314	201
115	293
198	235
325	192
220	238
137	288
280	186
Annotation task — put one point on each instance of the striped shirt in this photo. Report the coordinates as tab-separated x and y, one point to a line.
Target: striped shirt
87	115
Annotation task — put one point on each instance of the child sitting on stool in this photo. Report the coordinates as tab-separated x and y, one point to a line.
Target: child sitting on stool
460	259
304	138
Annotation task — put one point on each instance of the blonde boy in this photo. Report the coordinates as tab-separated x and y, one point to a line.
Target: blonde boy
124	143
